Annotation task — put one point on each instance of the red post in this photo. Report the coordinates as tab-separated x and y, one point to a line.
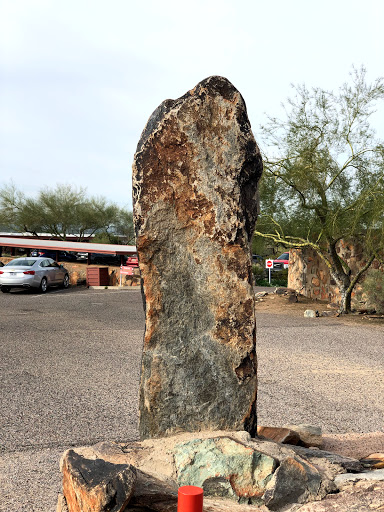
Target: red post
190	499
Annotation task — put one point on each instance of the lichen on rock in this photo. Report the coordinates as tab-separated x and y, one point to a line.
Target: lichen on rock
195	178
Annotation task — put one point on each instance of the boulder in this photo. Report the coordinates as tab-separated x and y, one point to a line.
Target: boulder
195	176
95	485
310	435
224	467
229	465
294	481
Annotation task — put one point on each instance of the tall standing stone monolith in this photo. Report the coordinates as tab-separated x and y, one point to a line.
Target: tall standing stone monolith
195	178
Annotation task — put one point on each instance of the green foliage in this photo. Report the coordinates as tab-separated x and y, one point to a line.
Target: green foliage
258	272
324	174
373	289
62	211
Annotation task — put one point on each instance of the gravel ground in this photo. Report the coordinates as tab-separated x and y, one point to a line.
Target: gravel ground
69	371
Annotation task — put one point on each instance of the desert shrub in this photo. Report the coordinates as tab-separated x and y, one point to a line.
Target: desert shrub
277	278
373	289
258	272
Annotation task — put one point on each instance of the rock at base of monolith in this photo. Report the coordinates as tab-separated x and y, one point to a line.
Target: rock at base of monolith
95	485
195	180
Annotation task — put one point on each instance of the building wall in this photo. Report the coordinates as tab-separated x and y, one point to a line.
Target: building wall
309	275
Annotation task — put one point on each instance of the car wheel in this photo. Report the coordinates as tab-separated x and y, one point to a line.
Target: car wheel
5	289
43	285
66	281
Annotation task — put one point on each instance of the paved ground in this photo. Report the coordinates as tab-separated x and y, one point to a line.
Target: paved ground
69	370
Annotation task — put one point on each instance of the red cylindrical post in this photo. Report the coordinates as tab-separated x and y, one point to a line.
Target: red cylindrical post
190	499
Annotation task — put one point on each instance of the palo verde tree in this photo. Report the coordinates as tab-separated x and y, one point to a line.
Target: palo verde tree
323	176
62	211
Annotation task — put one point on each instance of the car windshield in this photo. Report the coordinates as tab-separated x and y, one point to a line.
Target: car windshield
20	263
284	256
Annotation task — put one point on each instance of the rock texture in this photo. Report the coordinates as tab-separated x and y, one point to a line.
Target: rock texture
278	434
195	178
230	466
95	485
360	497
224	467
310	435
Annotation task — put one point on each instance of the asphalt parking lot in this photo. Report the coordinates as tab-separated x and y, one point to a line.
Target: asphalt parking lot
69	373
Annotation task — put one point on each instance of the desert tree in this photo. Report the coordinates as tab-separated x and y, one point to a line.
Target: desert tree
323	176
61	211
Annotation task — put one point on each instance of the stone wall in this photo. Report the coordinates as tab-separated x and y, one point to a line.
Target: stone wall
309	275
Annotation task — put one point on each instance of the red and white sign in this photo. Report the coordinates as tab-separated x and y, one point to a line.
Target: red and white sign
128	271
268	263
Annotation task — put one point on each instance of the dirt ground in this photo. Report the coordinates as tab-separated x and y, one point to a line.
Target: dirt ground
283	304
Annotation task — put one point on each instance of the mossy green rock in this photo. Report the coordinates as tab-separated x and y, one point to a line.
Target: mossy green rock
224	467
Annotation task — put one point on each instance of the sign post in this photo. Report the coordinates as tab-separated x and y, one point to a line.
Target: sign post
125	270
269	266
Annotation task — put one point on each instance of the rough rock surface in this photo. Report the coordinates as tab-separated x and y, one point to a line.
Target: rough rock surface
278	434
195	178
346	478
310	435
360	497
373	461
224	467
230	466
95	485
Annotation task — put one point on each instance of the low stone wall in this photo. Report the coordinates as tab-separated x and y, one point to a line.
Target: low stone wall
309	275
78	273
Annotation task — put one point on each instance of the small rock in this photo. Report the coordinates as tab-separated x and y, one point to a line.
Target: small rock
327	460
310	313
346	478
280	490
279	434
328	313
280	291
360	497
309	435
258	295
374	461
95	485
332	305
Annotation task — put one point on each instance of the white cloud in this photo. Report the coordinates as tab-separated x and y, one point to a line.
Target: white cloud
79	79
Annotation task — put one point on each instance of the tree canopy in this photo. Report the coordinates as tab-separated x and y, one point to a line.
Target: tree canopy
62	211
324	175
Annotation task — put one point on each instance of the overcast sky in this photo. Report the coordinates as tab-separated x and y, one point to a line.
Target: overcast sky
79	78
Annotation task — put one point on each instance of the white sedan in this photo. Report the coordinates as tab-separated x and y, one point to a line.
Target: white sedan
36	273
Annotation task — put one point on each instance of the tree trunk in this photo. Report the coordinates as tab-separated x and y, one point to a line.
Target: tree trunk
342	278
346	295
